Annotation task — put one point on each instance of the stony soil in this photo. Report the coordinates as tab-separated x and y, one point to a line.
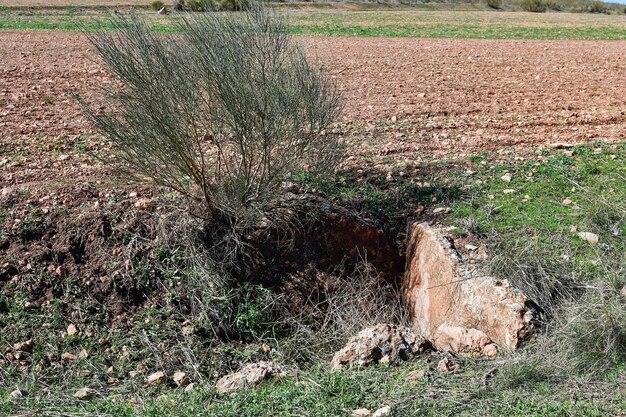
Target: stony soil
405	100
77	3
474	94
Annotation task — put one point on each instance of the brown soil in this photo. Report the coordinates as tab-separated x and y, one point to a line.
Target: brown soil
477	94
77	3
404	97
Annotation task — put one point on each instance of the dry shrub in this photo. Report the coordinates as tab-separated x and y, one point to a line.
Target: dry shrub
494	4
548	278
535	6
582	344
224	114
157	5
589	333
597	7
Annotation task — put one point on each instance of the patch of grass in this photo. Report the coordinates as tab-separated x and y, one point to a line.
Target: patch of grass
416	24
319	392
594	182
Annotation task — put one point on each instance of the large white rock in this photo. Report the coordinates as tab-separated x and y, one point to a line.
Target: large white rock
456	307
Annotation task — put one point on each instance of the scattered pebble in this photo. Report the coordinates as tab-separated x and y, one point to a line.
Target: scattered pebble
567	202
509	191
181	379
589	237
85	393
506	177
18	393
414	376
72	330
156	378
361	412
447	366
26	346
383	411
471	247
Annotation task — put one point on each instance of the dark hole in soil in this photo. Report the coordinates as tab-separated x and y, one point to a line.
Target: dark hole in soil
338	243
78	249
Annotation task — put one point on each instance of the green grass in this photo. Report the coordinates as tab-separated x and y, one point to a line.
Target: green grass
319	392
595	182
415	24
593	177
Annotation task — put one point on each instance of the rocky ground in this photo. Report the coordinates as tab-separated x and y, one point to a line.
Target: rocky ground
413	108
475	95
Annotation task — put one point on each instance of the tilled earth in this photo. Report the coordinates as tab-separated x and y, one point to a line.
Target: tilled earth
407	101
474	95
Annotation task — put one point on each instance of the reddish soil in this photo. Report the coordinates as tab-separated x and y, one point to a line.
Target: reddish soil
76	3
474	94
60	208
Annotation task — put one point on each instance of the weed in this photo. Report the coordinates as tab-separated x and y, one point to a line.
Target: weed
157	5
535	6
228	156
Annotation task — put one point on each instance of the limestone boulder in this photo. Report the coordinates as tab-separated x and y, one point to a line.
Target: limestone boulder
457	307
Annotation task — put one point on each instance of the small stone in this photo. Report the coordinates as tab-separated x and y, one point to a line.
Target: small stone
250	375
266	348
589	237
508	191
18	393
506	177
623	291
145	204
447	366
189	387
361	412
83	354
567	202
416	375
383	411
181	379
156	378
26	346
72	330
85	393
442	210
394	118
67	357
471	247
573	229
187	330
399	342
